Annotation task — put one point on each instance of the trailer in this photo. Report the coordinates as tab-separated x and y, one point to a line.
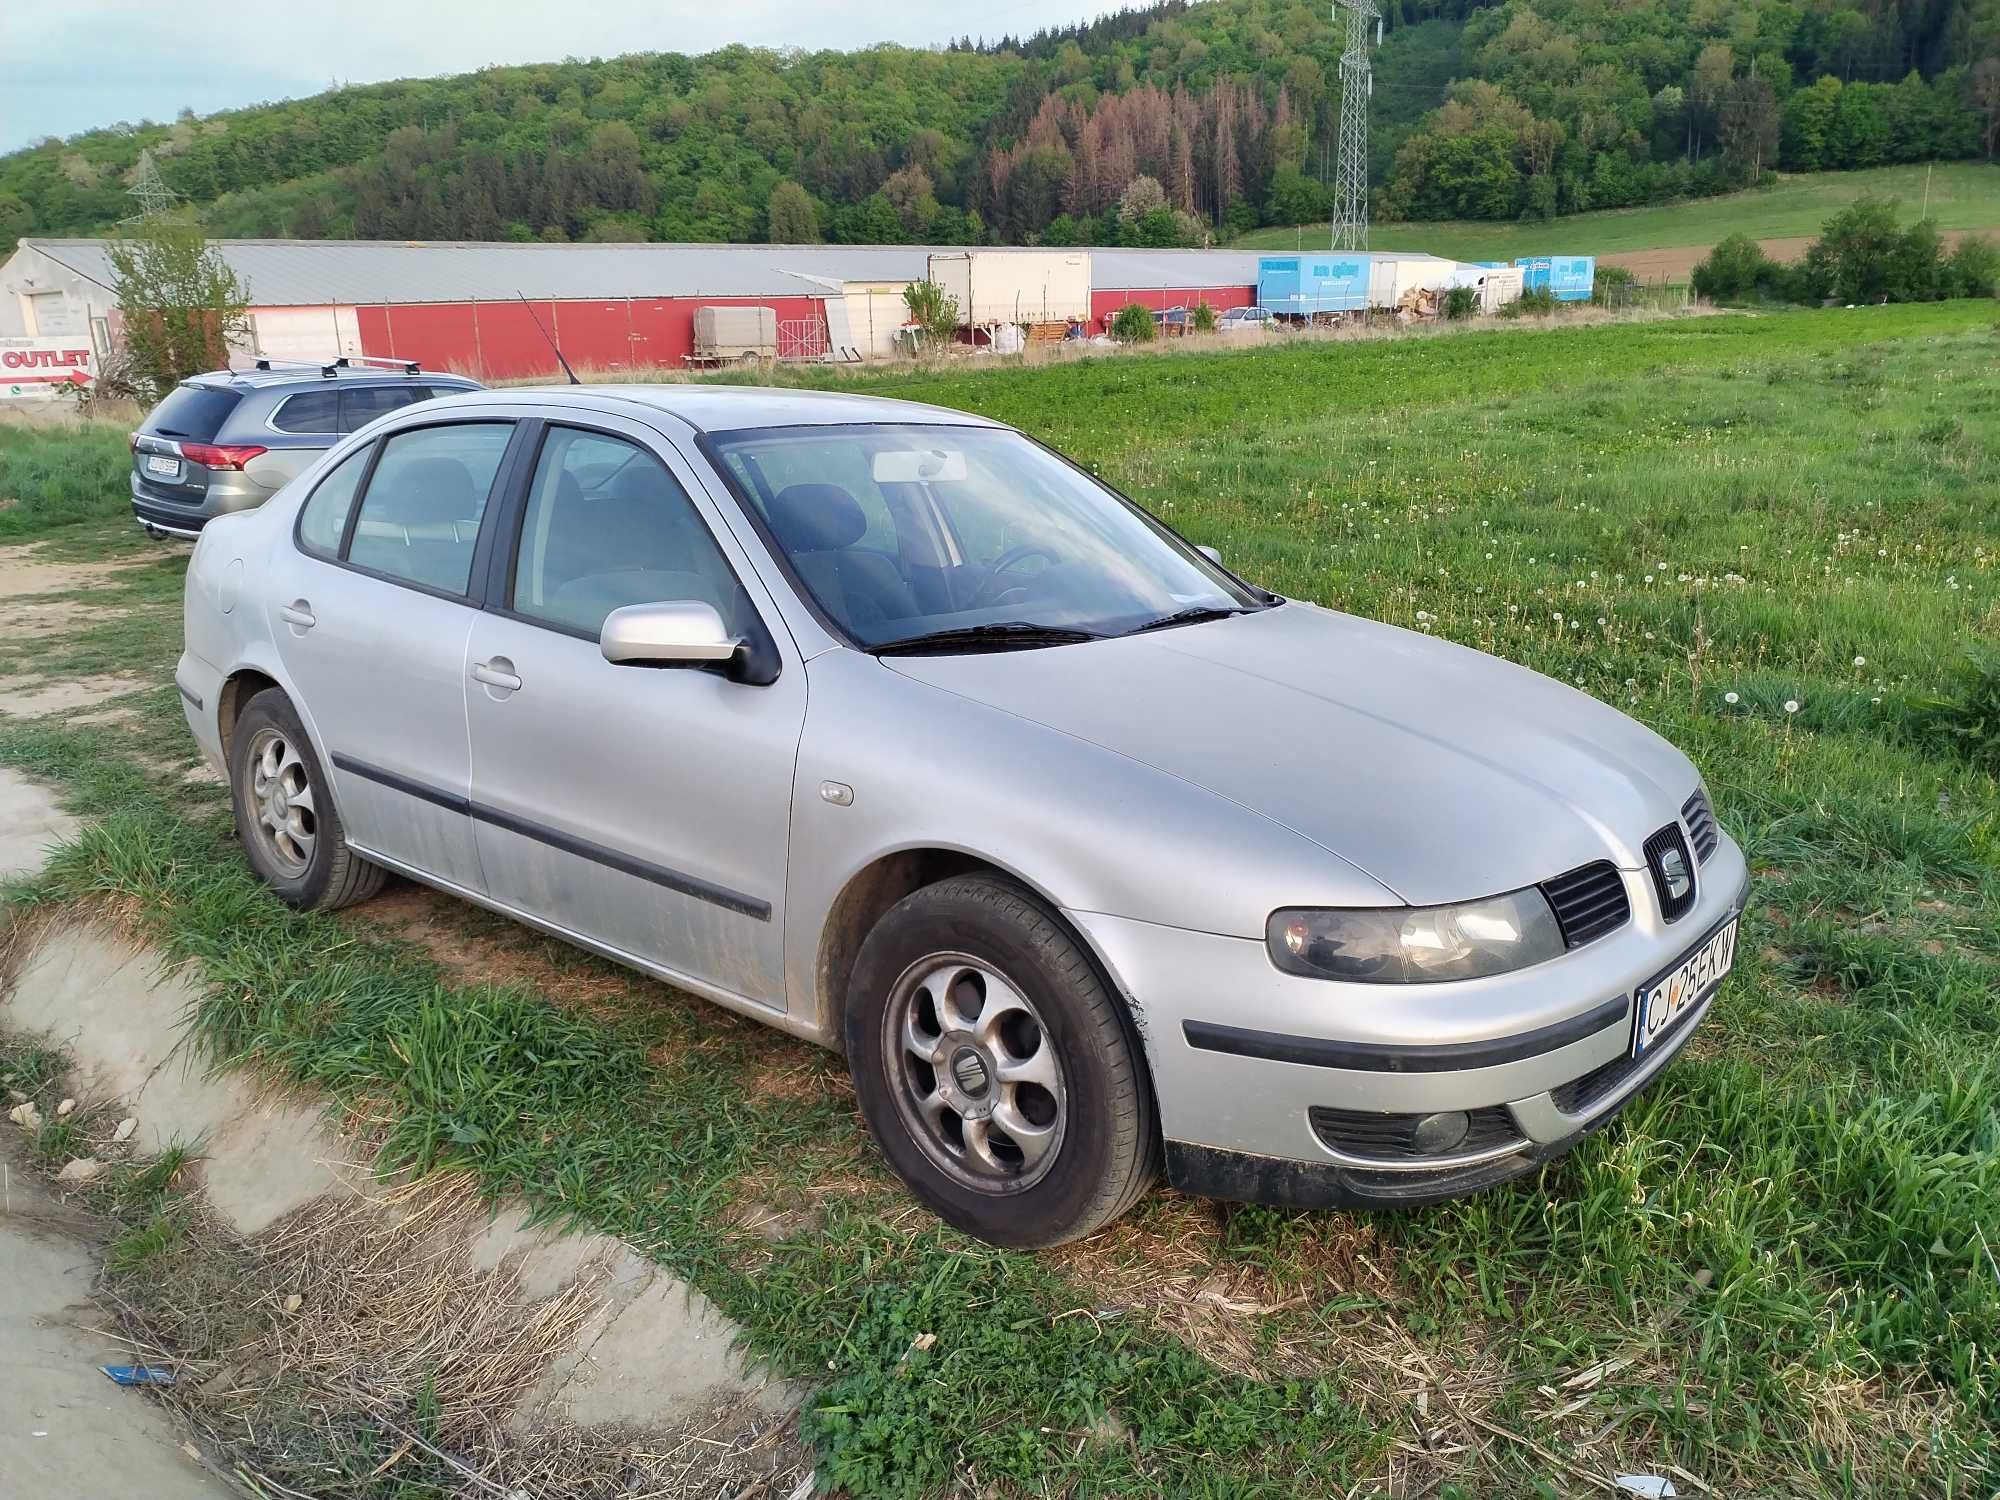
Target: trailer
723	335
1015	286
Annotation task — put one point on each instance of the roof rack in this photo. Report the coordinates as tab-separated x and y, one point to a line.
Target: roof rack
344	362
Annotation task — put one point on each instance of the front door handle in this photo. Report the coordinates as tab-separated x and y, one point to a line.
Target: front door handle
298	614
497	673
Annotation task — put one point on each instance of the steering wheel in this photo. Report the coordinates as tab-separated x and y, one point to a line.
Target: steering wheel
988	592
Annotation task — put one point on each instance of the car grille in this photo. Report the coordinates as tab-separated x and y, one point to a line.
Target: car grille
1580	1094
1701	826
1388	1137
1588	902
1669	841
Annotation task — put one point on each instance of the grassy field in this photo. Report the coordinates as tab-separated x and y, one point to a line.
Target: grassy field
1963	195
1772	538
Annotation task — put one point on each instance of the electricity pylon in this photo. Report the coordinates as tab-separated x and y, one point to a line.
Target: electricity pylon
1357	87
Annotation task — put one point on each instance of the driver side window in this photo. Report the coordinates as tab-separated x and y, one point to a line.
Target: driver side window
607	525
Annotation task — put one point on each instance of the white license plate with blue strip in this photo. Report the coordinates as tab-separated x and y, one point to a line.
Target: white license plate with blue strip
1662	1004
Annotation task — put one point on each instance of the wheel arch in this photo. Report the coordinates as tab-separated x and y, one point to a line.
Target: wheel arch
238	688
878	885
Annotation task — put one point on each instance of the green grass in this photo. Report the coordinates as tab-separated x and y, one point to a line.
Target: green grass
1784	1253
1963	195
58	474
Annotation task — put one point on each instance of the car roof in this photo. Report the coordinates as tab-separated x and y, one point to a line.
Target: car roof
731	408
301	373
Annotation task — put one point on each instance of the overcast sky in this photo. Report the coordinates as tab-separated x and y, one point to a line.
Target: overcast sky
71	65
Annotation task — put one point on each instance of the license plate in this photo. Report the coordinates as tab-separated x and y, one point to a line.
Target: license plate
161	467
1667	999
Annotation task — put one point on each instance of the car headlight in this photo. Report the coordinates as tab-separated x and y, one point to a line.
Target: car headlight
1416	944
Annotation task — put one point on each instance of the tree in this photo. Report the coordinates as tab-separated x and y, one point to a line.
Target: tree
933	310
792	219
1142	196
180	304
1861	255
912	195
17	218
1749	129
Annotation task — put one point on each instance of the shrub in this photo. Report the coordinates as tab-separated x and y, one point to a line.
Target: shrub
1734	271
1132	324
1460	303
933	310
1202	319
1613	286
1534	302
1973	269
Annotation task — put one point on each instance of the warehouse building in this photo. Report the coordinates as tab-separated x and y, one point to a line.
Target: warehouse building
490	310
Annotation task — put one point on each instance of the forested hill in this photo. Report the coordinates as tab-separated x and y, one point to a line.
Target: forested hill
1155	126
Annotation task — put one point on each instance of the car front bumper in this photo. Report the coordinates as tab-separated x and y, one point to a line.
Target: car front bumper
1279	1089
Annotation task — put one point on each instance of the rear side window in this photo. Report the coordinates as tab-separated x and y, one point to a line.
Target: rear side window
324	521
361	405
193	412
315	411
420	516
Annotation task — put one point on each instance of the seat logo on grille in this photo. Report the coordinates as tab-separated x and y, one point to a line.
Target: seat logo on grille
1674	871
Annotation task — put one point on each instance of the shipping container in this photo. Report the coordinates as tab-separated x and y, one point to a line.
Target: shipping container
1496	282
1015	286
1570	278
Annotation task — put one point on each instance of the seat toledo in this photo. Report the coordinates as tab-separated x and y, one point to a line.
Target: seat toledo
891	728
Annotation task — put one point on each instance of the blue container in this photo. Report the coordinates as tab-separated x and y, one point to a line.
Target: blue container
1322	282
1570	278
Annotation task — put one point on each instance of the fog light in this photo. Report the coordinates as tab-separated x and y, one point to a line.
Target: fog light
1439	1133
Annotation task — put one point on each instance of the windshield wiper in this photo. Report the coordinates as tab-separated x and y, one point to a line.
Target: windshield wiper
1193	615
1008	635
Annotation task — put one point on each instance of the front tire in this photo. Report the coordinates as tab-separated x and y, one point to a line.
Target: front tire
285	814
997	1072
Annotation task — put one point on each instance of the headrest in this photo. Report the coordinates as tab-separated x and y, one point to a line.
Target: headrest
441	489
816	518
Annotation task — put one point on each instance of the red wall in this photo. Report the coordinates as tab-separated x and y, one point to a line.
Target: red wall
499	340
1106	301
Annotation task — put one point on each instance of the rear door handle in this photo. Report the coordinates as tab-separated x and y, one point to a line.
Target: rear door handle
297	614
497	673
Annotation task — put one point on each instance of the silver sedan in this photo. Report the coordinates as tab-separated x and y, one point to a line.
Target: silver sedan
893	729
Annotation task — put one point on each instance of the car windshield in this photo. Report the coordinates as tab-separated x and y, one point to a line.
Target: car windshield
966	538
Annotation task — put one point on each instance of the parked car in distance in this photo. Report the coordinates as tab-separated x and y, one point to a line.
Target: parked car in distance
227	441
893	729
1244	320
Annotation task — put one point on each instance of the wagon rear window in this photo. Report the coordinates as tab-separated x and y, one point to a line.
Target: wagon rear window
193	412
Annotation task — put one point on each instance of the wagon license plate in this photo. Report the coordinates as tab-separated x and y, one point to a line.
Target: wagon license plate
1668	999
162	467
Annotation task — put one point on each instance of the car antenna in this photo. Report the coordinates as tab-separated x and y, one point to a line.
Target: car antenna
545	334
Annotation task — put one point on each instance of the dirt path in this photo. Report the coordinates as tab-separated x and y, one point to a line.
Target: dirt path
65	1429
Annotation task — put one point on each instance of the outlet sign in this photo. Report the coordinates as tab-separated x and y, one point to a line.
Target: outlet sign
36	367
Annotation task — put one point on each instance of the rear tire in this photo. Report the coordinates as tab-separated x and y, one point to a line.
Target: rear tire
998	1073
285	813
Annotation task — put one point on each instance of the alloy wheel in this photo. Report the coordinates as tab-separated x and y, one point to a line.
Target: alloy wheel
278	792
975	1073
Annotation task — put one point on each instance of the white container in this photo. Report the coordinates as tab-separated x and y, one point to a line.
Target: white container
736	332
1015	286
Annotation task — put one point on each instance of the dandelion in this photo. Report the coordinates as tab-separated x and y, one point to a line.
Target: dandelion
1791	705
1731	698
1860	661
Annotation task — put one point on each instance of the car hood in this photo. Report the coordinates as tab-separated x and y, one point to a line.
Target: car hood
1444	773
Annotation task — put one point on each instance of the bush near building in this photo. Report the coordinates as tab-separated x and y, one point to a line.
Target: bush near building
1862	255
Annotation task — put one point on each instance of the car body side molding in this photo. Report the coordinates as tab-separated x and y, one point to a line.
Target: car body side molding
569	843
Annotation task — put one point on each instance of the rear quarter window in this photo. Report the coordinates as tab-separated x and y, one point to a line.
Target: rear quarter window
311	411
193	412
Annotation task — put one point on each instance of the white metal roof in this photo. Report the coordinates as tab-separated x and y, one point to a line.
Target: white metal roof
311	273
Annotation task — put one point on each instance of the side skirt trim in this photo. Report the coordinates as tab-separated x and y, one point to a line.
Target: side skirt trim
555	838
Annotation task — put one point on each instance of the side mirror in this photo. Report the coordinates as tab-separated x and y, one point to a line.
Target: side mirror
684	633
1211	554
